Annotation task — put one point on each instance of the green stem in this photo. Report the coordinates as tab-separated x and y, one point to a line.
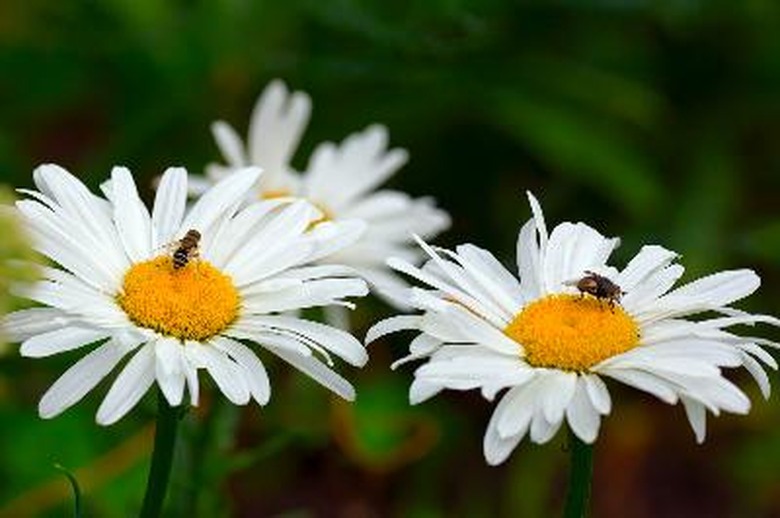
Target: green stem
162	457
579	478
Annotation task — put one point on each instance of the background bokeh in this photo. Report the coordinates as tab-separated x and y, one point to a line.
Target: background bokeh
656	123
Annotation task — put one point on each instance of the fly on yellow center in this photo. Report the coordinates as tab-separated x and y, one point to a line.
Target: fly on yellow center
572	332
194	302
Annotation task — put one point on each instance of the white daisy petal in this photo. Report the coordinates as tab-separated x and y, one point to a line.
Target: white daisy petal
485	306
423	345
232	235
572	250
129	387
247	330
394	215
559	390
492	274
339	342
190	366
169	369
81	378
720	289
497	447
21	325
464	372
131	217
520	405
360	163
582	416
392	325
758	352
543	430
220	201
61	340
169	205
254	370
52	238
318	372
229	143
330	237
707	293
306	295
276	126
641	298
528	261
649	260
646	382
225	373
87	218
82	305
476	330
697	416
598	393
538	216
759	374
717	393
421	390
283	231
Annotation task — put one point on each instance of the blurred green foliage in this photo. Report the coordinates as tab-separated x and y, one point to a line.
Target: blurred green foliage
657	122
15	254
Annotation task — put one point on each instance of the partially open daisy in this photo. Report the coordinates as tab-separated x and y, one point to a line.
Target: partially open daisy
551	343
341	180
181	290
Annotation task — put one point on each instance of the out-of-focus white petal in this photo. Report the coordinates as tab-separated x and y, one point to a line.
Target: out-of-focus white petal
230	144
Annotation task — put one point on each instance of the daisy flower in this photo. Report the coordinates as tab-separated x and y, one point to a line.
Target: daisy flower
341	180
552	345
127	283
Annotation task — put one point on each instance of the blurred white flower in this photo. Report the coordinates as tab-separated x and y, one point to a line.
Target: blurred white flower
119	289
341	180
551	345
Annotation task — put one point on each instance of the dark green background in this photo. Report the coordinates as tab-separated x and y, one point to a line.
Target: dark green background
657	123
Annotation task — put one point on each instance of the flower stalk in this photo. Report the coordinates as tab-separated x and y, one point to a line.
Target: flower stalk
162	457
580	474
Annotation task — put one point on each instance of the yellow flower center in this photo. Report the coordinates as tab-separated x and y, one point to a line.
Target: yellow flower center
572	332
195	302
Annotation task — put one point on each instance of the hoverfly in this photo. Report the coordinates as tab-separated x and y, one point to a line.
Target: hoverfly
186	249
599	286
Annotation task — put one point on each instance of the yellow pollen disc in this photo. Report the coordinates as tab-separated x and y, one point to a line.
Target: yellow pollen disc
572	332
195	302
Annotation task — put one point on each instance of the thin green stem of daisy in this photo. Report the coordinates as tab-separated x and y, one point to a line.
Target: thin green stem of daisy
162	457
579	478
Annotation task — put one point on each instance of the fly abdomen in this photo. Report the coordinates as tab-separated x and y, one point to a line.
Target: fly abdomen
180	259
